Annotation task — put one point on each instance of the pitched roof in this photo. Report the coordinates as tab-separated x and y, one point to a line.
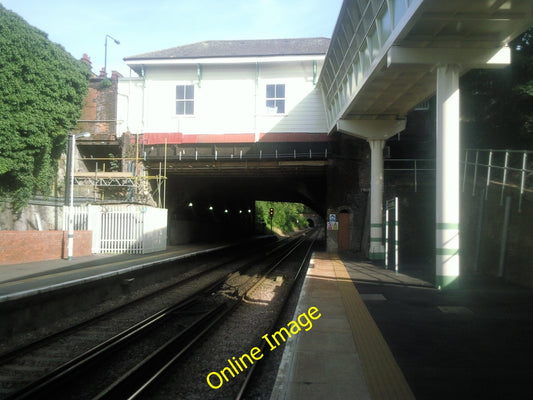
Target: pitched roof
240	48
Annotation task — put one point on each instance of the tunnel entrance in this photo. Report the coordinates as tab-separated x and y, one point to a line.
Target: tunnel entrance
210	200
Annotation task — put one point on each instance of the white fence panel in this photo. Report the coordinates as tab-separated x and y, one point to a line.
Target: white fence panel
118	229
81	221
95	225
122	229
155	230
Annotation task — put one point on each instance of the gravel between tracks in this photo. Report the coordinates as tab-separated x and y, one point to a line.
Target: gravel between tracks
238	334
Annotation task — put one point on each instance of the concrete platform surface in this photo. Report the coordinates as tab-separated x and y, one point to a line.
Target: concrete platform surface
343	356
25	279
388	335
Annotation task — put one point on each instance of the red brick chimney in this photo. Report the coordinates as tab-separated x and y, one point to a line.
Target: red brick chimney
87	60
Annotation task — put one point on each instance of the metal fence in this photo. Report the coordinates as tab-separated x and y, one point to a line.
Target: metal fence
117	229
416	166
509	169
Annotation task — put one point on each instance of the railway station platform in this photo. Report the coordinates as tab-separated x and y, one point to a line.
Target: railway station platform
21	280
387	335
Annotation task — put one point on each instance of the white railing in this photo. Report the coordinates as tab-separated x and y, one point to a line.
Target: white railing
276	155
510	169
81	218
117	229
414	165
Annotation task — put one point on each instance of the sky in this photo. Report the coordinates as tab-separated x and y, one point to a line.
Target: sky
144	26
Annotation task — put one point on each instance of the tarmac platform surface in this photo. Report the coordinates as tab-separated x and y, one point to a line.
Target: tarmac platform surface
388	335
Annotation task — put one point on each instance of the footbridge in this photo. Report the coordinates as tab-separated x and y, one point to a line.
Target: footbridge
386	57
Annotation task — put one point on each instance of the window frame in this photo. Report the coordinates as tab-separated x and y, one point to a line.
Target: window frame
276	99
186	100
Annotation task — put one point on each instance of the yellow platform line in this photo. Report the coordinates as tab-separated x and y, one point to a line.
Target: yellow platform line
384	377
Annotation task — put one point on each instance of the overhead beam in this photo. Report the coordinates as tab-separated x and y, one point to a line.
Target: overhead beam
466	57
371	129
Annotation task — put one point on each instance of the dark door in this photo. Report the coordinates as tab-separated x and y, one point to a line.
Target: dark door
344	231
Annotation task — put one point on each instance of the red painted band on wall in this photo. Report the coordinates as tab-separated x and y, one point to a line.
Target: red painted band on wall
269	137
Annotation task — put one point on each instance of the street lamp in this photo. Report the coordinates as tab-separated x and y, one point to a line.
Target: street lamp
105	58
70	245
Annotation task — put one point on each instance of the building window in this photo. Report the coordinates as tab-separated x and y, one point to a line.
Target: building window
185	99
275	98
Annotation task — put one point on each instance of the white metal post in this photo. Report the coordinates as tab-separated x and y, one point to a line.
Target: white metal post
489	168
475	174
396	241
377	251
504	176
447	166
70	243
387	237
464	170
522	181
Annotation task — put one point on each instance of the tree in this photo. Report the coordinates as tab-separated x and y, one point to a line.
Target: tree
287	216
497	105
42	88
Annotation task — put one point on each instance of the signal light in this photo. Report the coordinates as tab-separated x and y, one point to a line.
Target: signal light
271	212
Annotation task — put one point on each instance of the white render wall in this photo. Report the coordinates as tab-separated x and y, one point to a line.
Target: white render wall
229	99
130	106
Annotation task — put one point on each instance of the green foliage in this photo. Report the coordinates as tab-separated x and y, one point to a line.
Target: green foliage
106	83
42	88
497	105
287	216
114	163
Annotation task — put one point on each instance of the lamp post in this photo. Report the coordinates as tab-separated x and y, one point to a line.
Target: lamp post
70	244
105	57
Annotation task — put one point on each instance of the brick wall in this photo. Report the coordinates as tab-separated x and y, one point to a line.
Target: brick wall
99	109
29	246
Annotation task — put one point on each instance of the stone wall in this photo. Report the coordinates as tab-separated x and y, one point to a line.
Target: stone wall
37	215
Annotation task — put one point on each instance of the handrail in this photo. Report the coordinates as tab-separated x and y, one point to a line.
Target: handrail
415	168
499	160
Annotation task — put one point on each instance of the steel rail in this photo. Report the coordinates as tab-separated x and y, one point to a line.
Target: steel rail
251	371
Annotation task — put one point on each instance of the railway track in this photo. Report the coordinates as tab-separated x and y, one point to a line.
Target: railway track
20	366
127	364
